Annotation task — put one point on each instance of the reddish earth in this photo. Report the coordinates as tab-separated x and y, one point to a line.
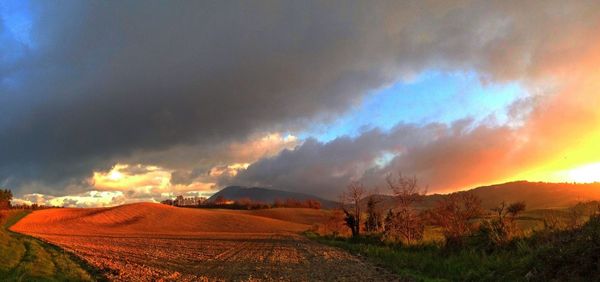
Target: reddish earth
150	242
148	218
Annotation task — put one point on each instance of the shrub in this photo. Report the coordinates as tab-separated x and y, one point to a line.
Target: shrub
572	254
502	228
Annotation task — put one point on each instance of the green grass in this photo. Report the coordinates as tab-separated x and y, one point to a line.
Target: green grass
431	262
23	258
562	255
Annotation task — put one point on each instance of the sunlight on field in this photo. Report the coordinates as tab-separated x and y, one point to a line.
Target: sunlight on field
184	244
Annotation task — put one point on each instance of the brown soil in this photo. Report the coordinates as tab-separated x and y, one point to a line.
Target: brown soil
150	242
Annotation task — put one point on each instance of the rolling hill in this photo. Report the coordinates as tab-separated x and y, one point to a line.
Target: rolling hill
150	218
536	195
266	195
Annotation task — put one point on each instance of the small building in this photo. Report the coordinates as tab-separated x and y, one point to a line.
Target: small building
181	201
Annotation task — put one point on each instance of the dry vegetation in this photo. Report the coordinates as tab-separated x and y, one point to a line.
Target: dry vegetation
456	239
149	242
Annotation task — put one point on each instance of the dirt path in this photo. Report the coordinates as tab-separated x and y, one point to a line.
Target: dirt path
219	257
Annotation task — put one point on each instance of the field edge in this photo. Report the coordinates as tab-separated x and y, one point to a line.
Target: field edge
95	273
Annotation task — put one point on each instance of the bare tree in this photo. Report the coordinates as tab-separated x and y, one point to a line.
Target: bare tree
350	200
373	223
406	190
456	215
404	221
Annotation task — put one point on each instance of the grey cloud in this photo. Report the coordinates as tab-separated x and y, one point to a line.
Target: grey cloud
107	81
326	168
442	157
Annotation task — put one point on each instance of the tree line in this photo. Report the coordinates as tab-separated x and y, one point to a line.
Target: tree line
249	204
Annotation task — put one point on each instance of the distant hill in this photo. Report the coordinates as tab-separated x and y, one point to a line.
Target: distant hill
536	195
266	195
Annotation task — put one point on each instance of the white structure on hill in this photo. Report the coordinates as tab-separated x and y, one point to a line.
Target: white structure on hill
189	201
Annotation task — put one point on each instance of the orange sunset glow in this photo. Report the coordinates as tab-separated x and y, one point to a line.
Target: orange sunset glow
284	140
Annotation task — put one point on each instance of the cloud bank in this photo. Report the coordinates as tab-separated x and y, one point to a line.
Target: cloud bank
180	85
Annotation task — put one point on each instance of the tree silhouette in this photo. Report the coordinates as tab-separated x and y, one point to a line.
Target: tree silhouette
404	222
373	222
350	201
456	215
502	228
5	198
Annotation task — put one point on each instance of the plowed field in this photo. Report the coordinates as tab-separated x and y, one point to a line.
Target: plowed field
150	242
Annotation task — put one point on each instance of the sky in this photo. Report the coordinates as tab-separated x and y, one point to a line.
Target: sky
105	103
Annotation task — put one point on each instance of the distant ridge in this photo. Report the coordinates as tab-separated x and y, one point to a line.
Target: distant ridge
266	195
539	195
536	195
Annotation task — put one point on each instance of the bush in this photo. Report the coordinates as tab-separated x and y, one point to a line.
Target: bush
569	255
502	228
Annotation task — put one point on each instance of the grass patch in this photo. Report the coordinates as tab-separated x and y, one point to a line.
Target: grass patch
565	255
431	262
24	258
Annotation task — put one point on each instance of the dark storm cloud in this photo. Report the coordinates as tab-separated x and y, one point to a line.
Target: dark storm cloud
106	81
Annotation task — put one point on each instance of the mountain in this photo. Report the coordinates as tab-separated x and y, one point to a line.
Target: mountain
536	195
266	195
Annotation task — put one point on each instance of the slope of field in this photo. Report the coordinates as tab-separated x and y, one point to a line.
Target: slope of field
148	218
151	242
297	215
23	258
